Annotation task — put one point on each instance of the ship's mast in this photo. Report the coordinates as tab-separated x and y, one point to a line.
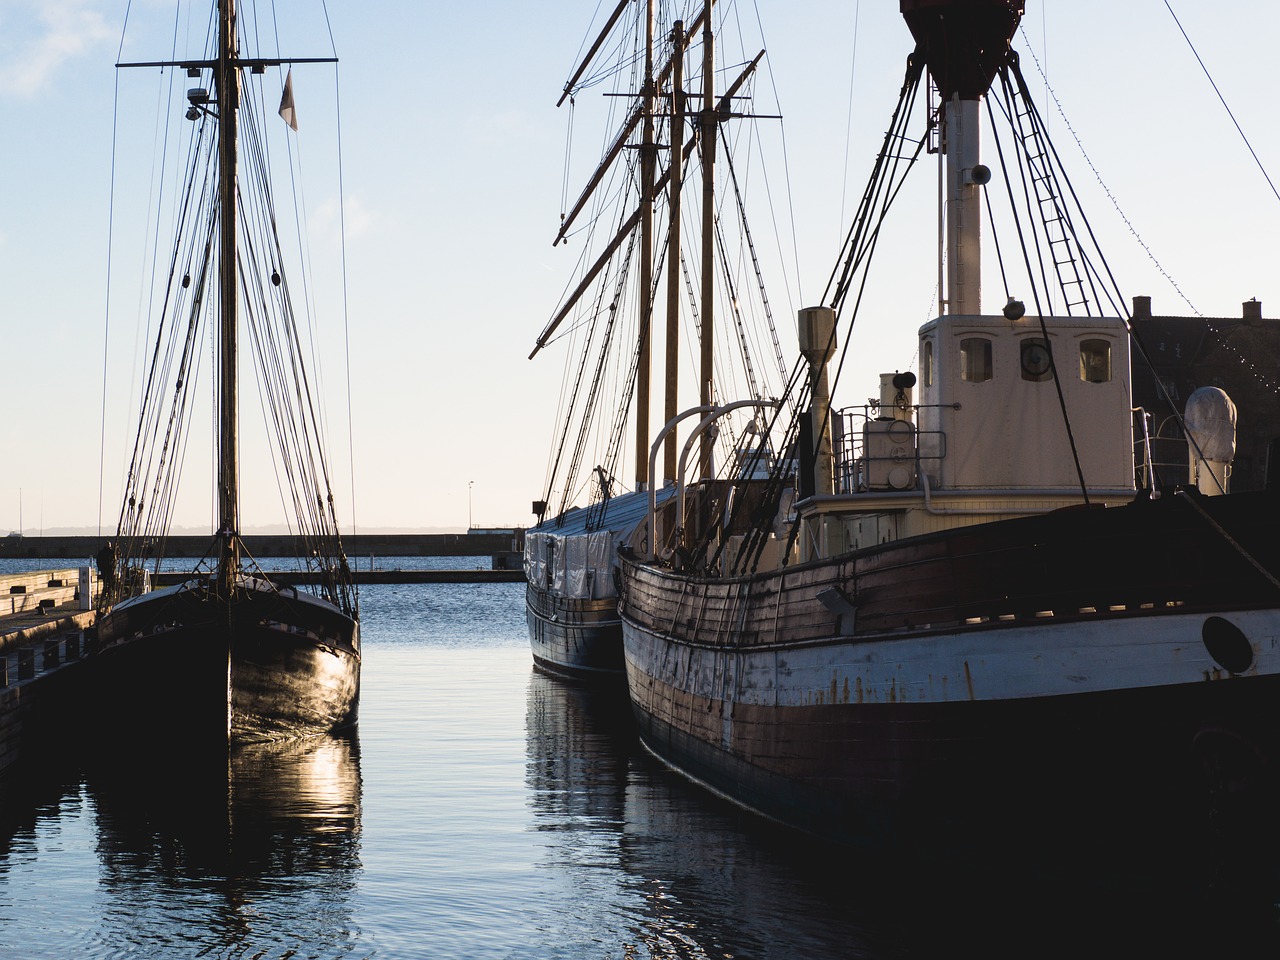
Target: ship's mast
965	177
709	120
964	43
647	157
225	68
673	246
651	185
228	88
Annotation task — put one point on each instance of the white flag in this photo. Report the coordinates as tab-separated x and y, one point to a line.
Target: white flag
287	111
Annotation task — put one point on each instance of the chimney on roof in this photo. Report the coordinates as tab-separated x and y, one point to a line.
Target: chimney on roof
1252	310
1142	308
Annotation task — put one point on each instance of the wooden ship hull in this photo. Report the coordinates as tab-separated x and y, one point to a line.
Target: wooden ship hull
574	637
1117	662
571	602
272	664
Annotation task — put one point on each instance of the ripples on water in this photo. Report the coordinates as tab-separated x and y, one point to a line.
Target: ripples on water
485	810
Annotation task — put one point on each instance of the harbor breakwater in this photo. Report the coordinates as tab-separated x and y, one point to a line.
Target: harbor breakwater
502	545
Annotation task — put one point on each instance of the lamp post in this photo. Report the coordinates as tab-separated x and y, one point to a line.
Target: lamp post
470	525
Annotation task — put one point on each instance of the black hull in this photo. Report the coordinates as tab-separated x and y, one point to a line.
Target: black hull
936	700
1140	768
182	666
577	638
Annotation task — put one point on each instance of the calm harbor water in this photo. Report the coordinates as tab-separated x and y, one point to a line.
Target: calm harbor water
484	810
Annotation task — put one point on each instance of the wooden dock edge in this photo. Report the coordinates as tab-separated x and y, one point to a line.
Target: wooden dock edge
30	632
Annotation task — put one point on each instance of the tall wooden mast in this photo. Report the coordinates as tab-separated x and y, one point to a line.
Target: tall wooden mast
228	87
676	176
647	152
709	122
225	68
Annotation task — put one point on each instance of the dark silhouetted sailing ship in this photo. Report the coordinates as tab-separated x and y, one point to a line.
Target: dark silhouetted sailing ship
228	653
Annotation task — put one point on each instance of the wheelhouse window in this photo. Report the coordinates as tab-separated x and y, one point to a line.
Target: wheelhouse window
926	363
975	359
1035	361
1095	361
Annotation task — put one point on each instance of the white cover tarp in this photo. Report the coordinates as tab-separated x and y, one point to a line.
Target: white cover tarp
577	573
578	566
555	565
600	553
535	558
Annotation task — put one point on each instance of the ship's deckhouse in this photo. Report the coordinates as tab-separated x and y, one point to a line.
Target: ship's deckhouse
981	434
989	412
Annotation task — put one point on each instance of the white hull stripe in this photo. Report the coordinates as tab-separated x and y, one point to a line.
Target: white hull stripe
1020	662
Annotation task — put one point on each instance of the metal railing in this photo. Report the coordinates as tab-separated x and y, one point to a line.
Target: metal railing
855	465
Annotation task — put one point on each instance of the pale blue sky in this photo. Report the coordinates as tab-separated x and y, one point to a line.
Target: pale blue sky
454	158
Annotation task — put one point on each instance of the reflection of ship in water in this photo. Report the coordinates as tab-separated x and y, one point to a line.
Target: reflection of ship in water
580	741
666	869
682	874
44	782
719	882
271	831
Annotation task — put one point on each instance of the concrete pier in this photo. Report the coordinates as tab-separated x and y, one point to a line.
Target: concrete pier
360	577
477	543
42	625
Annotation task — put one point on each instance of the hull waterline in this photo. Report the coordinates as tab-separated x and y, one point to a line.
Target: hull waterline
270	665
577	638
1125	715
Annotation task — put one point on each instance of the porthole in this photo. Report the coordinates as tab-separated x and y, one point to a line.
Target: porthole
1037	365
1227	644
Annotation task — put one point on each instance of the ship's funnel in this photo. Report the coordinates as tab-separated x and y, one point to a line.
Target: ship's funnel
963	41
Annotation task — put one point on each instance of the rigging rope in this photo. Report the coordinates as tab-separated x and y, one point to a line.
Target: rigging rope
568	152
755	261
291	406
1223	100
1261	378
1029	142
106	307
848	129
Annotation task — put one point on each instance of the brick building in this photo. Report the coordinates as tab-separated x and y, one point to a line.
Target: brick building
1239	354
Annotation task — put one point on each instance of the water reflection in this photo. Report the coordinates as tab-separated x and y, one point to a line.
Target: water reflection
488	811
683	874
37	789
581	741
680	873
255	854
